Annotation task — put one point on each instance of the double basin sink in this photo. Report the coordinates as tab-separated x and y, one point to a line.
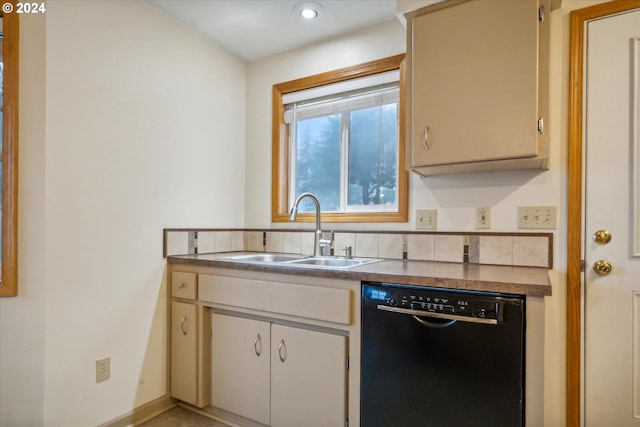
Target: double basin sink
292	260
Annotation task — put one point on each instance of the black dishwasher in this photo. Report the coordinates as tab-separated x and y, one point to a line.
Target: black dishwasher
441	358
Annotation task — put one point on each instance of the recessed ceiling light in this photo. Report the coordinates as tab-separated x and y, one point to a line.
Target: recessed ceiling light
308	11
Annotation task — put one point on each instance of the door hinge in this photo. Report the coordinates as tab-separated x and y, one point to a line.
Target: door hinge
540	125
347	363
346	423
582	265
541	14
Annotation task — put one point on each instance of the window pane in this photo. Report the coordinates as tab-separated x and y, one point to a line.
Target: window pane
373	156
317	167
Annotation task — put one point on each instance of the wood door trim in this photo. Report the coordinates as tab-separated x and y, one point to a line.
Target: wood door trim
578	18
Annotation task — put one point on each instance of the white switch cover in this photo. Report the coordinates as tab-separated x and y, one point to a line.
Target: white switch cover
426	219
537	217
483	217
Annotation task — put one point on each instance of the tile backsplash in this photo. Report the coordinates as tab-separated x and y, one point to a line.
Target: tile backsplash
518	249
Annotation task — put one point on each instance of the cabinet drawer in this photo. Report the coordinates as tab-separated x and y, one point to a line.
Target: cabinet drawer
311	302
184	285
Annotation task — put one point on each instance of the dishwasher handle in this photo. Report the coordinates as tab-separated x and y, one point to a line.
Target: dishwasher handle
437	315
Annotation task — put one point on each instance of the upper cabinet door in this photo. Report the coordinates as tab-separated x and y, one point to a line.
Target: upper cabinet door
473	83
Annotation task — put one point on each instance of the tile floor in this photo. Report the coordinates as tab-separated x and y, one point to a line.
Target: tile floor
180	417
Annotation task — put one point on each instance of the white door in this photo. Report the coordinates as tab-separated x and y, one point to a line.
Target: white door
612	204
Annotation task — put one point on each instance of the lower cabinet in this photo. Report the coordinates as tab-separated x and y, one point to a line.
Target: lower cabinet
278	375
240	364
184	351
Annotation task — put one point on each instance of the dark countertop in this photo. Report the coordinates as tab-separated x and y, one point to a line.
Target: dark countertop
530	281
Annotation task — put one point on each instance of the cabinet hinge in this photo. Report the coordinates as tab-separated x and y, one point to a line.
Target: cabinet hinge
347	363
541	14
540	125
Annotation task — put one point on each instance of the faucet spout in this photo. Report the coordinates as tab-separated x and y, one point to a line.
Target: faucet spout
318	235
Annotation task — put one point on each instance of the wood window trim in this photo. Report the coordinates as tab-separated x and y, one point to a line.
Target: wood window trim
280	151
10	46
578	19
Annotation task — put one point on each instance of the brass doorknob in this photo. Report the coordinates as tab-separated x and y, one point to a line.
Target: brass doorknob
602	237
602	267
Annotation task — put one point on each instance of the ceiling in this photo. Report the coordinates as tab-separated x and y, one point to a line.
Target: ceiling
253	29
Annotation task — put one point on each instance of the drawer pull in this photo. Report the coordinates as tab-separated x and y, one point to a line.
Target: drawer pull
180	285
182	322
257	345
282	351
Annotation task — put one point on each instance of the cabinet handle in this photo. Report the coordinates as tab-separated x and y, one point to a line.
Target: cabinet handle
282	351
257	345
180	285
184	319
426	138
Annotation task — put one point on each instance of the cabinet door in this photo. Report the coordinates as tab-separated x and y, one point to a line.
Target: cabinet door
240	354
184	352
473	82
308	378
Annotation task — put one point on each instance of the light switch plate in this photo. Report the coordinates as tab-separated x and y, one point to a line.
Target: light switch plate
426	219
538	217
483	217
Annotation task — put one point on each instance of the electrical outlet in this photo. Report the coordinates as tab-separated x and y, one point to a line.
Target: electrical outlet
483	217
426	219
103	369
537	216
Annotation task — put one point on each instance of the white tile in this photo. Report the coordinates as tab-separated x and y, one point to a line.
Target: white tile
531	251
274	241
390	246
223	241
496	250
449	248
366	245
206	242
306	242
254	241
291	242
420	247
237	240
177	242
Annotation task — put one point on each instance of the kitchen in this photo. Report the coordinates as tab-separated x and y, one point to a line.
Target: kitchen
121	138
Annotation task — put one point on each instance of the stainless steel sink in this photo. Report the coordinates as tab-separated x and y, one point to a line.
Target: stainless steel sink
332	262
294	260
267	258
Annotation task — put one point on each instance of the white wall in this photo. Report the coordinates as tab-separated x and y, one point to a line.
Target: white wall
130	123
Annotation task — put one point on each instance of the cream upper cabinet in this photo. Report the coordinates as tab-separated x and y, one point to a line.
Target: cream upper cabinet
477	83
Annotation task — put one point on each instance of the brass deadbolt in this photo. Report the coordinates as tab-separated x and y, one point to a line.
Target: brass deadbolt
602	237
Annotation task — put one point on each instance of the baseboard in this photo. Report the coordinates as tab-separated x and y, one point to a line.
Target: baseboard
142	413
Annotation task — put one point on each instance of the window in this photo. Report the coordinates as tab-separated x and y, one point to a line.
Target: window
340	136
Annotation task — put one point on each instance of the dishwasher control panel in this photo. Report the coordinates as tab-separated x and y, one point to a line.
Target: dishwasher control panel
437	301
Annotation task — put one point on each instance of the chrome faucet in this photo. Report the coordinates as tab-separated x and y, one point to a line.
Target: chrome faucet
318	242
